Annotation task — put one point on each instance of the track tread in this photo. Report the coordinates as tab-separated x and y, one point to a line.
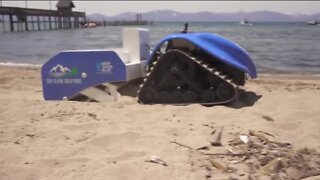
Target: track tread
211	70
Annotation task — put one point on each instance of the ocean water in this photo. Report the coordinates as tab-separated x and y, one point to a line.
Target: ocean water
274	47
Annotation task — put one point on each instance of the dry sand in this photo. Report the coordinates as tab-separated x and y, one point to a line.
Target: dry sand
77	140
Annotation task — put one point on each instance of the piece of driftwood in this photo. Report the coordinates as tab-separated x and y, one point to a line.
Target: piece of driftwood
235	142
280	144
183	145
261	136
266	133
272	166
203	148
219	165
216	138
208	154
268	118
256	142
236	151
226	154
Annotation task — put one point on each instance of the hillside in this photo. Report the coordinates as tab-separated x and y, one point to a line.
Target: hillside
170	15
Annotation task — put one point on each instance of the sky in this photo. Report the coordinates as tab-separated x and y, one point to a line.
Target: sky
111	8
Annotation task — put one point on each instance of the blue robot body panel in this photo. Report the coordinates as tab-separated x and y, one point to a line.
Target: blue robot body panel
219	47
70	72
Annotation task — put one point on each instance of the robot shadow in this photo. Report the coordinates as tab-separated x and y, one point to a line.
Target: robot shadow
245	99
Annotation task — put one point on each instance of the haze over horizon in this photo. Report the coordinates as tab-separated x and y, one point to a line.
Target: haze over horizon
111	8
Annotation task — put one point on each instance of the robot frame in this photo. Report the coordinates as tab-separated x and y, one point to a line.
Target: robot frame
183	68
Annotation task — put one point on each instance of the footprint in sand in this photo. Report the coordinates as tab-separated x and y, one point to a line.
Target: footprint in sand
116	140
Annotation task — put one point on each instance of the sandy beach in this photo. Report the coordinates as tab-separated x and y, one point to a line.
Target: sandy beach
81	140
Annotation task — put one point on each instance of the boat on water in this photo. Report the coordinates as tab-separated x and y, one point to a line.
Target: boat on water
313	22
90	25
245	22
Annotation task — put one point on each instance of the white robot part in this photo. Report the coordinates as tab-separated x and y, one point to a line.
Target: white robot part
134	54
135	45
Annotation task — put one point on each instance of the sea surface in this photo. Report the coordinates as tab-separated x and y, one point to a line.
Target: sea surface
274	47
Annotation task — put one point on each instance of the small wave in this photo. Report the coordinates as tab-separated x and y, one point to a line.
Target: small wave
19	64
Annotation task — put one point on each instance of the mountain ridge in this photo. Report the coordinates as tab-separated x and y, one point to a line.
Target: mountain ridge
206	16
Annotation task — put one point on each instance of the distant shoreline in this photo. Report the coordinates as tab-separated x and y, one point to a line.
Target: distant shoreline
210	16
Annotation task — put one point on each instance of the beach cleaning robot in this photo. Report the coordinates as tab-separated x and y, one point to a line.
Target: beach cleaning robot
183	68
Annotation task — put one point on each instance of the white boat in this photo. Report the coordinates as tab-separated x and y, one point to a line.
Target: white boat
90	25
313	22
245	22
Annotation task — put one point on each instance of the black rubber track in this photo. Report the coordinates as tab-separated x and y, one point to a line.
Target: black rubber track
178	78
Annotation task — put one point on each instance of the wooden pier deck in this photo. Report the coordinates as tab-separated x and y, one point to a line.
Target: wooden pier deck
27	19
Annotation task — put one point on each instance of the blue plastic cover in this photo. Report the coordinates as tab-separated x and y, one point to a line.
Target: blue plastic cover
219	47
70	72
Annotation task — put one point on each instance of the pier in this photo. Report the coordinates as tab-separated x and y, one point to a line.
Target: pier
138	22
16	19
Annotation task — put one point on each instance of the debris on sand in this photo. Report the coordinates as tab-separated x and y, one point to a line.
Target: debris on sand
254	155
157	160
216	138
